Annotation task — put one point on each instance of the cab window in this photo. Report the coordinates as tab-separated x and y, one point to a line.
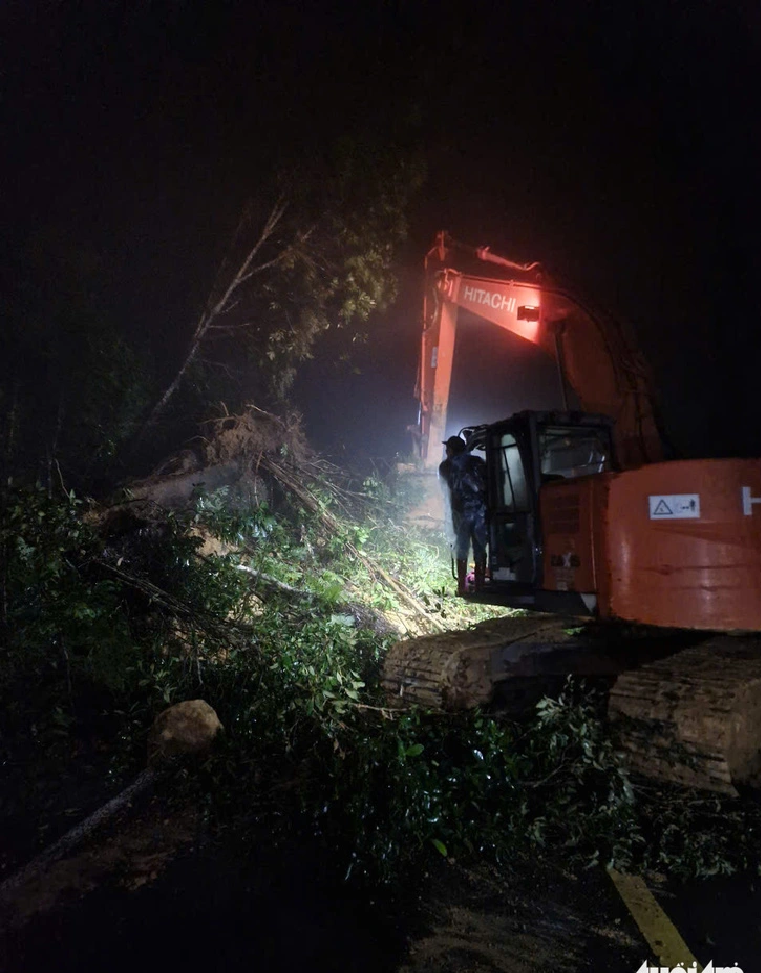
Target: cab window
515	497
568	452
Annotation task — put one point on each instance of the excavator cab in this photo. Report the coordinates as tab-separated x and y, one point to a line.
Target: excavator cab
523	453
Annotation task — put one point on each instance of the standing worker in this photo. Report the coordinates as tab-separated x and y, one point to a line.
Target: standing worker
465	477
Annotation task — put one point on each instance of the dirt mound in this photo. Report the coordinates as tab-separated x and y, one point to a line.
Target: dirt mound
244	438
231	452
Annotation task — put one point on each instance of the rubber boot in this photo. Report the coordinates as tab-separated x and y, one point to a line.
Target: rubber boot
462	576
480	574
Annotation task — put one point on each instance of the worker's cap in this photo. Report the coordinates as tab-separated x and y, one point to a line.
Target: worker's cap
455	443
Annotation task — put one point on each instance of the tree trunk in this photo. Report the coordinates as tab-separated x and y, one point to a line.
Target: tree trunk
218	302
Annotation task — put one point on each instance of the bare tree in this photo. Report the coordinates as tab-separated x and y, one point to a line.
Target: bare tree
232	275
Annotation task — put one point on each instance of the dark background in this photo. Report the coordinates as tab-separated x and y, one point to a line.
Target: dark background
617	143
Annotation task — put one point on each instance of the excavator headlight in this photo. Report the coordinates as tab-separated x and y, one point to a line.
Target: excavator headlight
527	313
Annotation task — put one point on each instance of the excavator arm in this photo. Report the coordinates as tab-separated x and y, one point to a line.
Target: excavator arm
591	352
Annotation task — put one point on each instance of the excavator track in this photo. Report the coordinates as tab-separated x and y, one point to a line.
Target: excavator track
686	707
694	718
453	670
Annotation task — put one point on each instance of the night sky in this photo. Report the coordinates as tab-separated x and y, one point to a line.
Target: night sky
618	144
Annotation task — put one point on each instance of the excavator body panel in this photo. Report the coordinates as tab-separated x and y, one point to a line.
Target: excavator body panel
682	544
573	536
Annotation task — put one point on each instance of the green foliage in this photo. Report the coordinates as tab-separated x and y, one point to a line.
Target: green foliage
418	557
56	619
471	784
694	834
386	790
327	264
120	630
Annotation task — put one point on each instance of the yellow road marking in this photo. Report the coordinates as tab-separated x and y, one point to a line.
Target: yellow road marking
661	934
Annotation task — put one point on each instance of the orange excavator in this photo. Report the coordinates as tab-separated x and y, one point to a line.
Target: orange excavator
636	569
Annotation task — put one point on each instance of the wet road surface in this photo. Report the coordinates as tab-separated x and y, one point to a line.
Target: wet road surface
150	895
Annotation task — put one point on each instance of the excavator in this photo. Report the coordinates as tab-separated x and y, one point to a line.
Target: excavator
628	566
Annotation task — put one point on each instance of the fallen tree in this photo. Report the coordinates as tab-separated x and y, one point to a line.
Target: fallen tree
255	457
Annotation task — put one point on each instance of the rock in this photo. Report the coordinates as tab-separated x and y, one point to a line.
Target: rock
188	727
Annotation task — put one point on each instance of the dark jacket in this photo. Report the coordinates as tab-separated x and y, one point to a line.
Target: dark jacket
465	475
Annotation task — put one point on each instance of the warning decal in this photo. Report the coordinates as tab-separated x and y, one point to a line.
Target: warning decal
674	507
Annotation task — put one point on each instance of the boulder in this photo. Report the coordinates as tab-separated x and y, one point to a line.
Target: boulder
188	727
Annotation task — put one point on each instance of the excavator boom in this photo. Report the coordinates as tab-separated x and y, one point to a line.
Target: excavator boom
593	357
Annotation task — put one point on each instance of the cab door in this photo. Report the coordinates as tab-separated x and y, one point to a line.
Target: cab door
512	549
